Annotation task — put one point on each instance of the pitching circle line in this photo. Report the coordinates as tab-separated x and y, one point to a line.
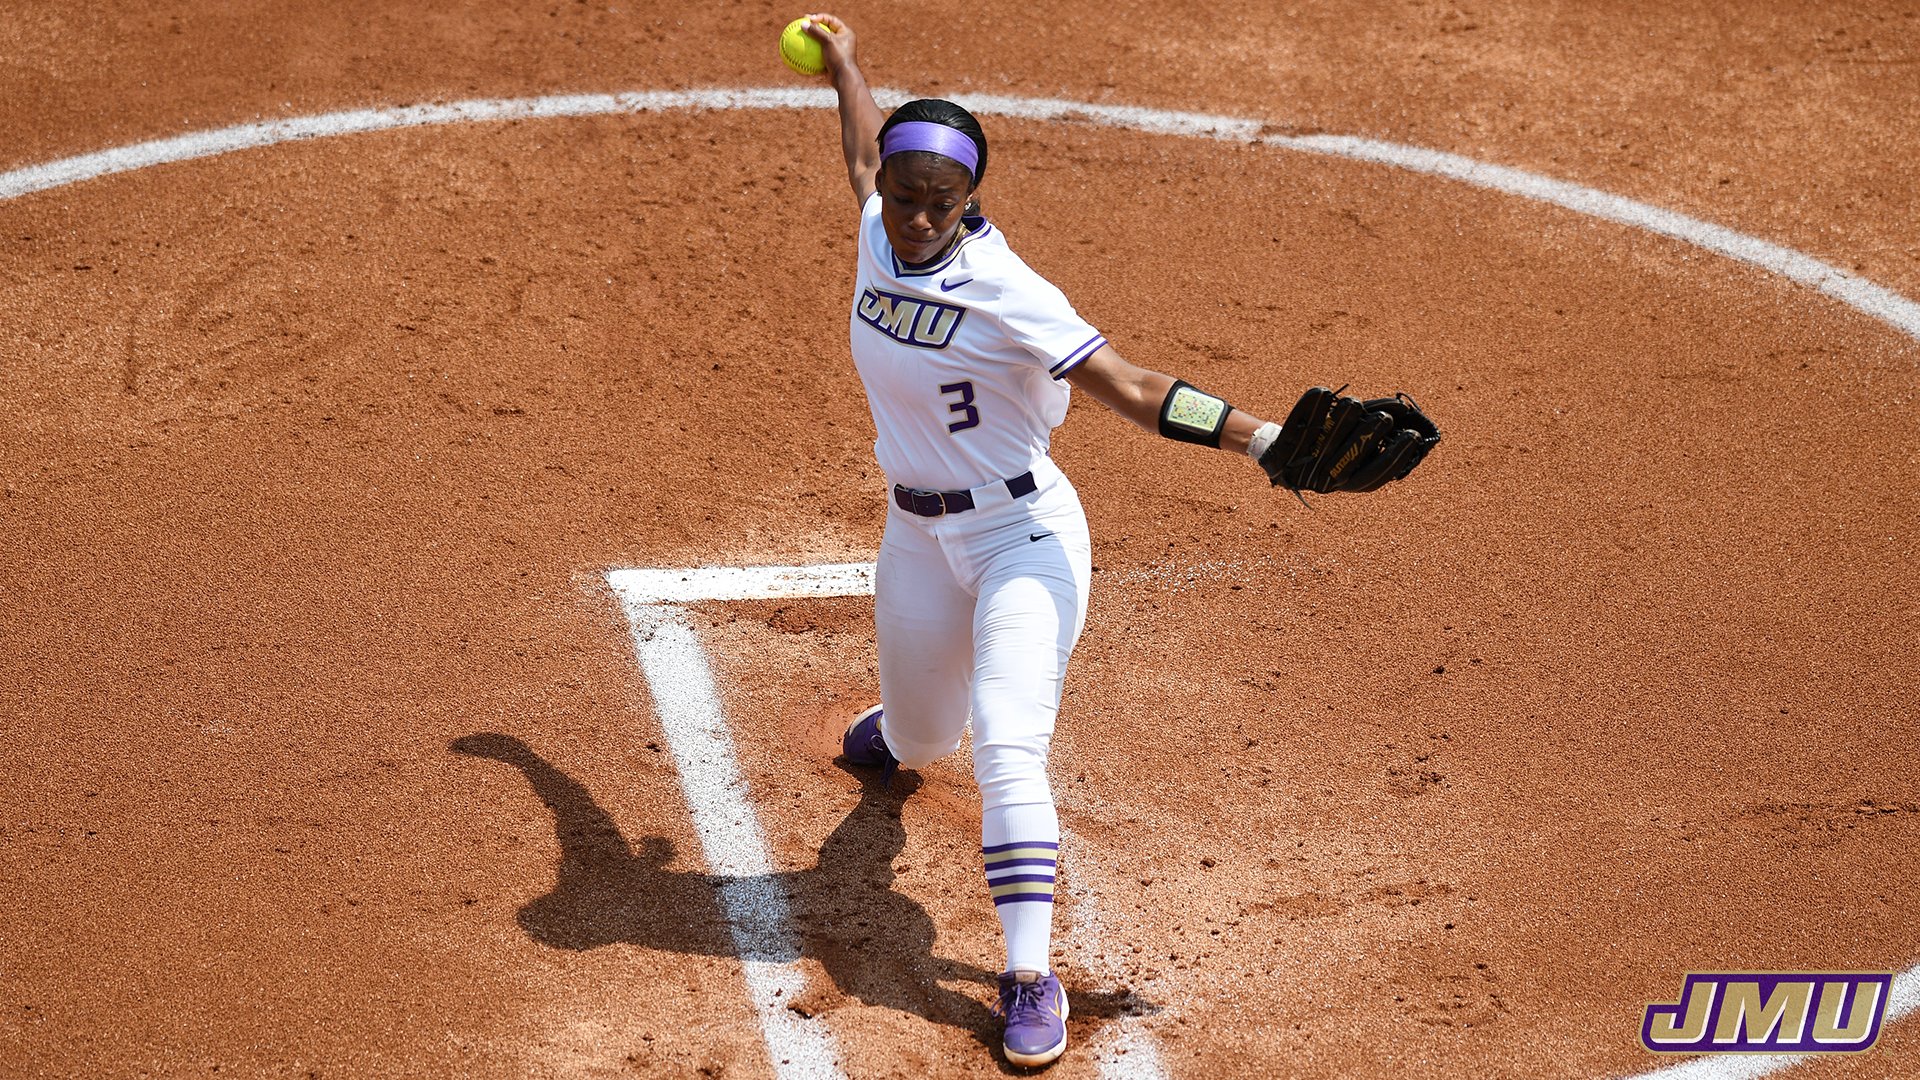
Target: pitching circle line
1854	291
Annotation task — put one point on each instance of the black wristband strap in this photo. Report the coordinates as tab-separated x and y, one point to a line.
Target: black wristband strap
1192	415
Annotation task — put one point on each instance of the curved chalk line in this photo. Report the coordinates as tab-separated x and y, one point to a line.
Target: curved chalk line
1852	290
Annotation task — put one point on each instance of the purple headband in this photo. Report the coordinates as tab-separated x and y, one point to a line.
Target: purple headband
933	138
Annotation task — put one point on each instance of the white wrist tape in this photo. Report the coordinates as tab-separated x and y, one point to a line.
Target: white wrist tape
1262	439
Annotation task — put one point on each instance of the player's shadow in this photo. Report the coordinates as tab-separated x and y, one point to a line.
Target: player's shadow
875	943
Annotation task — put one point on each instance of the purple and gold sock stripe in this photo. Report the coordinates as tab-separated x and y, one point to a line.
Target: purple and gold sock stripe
1022	871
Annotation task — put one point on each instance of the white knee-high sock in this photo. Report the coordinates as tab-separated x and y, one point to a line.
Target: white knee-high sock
1021	847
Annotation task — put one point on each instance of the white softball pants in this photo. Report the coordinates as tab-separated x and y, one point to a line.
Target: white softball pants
976	614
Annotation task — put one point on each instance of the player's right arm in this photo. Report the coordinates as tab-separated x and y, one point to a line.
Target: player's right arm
860	118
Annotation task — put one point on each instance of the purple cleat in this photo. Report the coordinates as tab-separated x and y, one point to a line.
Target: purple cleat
1035	1008
863	745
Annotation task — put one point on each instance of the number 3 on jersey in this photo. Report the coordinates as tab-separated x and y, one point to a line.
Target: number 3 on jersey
970	416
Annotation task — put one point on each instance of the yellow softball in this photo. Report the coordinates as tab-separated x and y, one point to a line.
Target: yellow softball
799	50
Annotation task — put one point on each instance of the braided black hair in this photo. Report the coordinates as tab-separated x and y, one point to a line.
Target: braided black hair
941	111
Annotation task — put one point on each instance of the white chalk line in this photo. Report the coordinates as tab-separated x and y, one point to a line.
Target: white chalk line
675	666
1850	289
1902	999
751	898
1125	1049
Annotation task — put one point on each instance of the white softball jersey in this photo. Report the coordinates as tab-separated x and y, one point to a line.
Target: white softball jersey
961	359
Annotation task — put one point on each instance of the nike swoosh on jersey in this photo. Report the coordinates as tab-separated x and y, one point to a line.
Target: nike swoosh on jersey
949	286
1035	538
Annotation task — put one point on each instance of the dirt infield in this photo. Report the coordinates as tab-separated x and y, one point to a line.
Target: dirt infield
326	751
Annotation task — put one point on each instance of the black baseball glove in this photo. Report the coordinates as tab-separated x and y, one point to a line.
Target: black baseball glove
1332	443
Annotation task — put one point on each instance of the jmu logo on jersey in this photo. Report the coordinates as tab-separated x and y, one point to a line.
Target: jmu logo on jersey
910	320
1770	1012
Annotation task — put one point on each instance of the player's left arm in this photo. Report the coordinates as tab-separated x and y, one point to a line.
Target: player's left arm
1328	443
1147	398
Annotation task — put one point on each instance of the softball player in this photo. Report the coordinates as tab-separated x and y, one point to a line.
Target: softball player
966	355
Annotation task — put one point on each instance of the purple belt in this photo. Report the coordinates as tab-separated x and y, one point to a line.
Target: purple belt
936	503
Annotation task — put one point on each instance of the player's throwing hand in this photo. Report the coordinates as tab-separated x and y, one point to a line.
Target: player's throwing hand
836	42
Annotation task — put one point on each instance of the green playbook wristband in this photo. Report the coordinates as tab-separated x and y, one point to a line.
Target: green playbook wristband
1192	415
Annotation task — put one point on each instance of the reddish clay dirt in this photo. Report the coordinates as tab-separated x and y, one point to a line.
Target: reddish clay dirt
326	750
